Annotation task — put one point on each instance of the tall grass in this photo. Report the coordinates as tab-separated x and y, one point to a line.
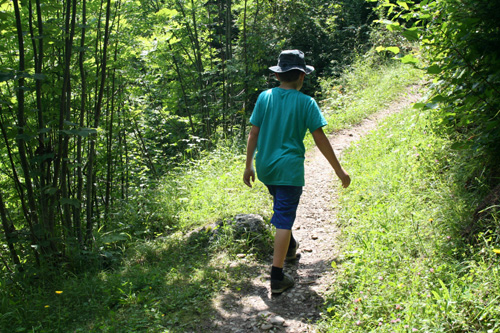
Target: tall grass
364	88
405	266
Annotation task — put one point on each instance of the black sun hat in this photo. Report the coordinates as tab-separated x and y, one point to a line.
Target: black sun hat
291	59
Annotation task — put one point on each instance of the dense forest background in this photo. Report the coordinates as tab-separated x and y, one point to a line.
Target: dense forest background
102	102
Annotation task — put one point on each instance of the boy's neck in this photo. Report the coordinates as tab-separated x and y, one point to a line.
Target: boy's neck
296	85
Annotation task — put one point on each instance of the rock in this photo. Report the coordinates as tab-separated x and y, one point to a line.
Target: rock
241	255
241	226
266	327
277	320
264	314
314	237
307	249
244	223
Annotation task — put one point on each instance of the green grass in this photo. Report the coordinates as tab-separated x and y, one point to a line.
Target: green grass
405	265
157	269
362	90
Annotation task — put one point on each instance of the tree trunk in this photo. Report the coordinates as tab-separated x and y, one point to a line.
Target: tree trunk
32	217
9	229
92	149
77	213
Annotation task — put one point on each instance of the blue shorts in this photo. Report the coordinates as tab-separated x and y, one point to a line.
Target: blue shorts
285	202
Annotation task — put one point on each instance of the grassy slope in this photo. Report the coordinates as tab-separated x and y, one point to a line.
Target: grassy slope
405	266
167	283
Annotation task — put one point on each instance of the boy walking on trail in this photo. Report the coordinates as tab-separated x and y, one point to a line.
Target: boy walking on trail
280	120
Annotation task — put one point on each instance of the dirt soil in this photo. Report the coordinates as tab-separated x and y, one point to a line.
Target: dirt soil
254	308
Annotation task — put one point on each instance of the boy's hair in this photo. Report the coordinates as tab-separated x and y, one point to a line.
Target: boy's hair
290	76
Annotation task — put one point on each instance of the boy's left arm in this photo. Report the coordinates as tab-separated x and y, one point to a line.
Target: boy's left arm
326	149
249	173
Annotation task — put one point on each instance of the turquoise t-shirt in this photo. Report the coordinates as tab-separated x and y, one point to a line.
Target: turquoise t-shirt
283	117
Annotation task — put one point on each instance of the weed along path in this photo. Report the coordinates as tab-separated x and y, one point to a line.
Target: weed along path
250	307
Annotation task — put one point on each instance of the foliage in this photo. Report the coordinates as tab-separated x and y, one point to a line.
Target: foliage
405	265
459	41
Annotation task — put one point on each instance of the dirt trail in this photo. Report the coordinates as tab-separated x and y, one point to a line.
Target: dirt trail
254	309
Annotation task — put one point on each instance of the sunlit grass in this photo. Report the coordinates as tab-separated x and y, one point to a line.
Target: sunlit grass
404	265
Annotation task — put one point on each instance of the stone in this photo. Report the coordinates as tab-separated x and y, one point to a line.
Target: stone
245	223
277	320
314	237
266	327
264	314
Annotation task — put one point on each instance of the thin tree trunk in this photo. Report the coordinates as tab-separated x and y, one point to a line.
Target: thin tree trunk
245	80
109	173
228	54
181	82
42	150
92	150
32	217
196	49
145	149
66	113
9	229
77	213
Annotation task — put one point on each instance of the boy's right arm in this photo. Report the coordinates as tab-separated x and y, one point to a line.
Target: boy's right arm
249	173
326	149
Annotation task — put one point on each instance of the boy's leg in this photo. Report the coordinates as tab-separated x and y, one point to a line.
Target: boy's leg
281	243
286	200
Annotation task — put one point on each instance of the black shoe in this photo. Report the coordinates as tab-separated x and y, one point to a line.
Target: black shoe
292	253
279	286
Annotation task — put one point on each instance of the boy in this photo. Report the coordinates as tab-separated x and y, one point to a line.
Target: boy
279	121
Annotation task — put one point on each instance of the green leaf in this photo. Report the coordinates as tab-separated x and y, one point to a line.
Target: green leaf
70	123
68	201
50	190
394	27
116	237
434	69
387	22
403	4
83	132
459	146
431	105
24	137
6	76
393	49
44	157
4	16
438	98
409	59
39	76
411	34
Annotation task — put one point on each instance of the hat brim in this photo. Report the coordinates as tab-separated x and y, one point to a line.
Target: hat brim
278	69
